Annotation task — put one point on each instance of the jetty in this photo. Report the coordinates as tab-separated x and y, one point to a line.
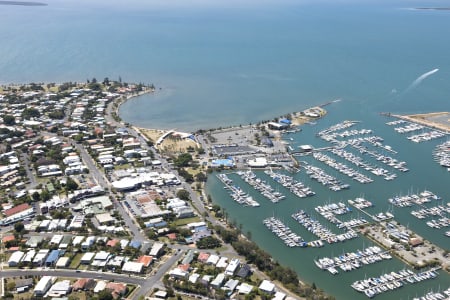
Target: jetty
236	193
316	228
284	233
296	187
390	281
260	185
360	204
352	260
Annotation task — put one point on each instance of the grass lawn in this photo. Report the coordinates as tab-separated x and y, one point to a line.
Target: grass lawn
122	167
75	261
182	222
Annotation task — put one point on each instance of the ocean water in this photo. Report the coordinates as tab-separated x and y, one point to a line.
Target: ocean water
225	62
221	63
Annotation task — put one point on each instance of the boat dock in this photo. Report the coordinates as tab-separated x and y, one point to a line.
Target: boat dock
283	232
361	203
391	281
352	260
316	228
325	179
236	193
260	185
296	187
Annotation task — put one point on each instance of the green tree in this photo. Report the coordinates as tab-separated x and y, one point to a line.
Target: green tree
201	177
9	120
19	227
183	160
31	112
183	194
208	242
71	185
105	295
45	195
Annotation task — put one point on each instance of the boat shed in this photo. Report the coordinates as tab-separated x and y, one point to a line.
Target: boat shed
277	126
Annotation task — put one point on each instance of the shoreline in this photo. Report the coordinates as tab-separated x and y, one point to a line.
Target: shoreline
297	117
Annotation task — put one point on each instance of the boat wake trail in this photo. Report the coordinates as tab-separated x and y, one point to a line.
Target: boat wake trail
420	79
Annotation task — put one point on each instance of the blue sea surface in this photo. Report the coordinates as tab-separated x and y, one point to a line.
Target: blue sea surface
225	63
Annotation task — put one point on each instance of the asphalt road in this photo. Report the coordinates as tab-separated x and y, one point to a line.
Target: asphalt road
100	178
73	274
154	281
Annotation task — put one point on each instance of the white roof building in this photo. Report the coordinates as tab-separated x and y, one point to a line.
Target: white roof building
194	277
88	242
257	162
124	243
178	273
87	257
40	257
217	282
56	239
100	286
232	267
29	256
279	296
101	258
63	262
206	279
132	267
77	240
15	258
245	288
43	285
267	286
230	285
60	288
156	248
213	259
222	263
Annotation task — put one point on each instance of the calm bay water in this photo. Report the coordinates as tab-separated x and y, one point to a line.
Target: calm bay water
225	62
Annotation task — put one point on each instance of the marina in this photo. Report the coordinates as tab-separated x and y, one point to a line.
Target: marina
342	168
427	136
390	281
410	127
435	295
284	233
296	187
424	213
323	178
316	228
355	216
352	260
441	154
236	193
260	185
360	163
411	199
383	158
329	212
